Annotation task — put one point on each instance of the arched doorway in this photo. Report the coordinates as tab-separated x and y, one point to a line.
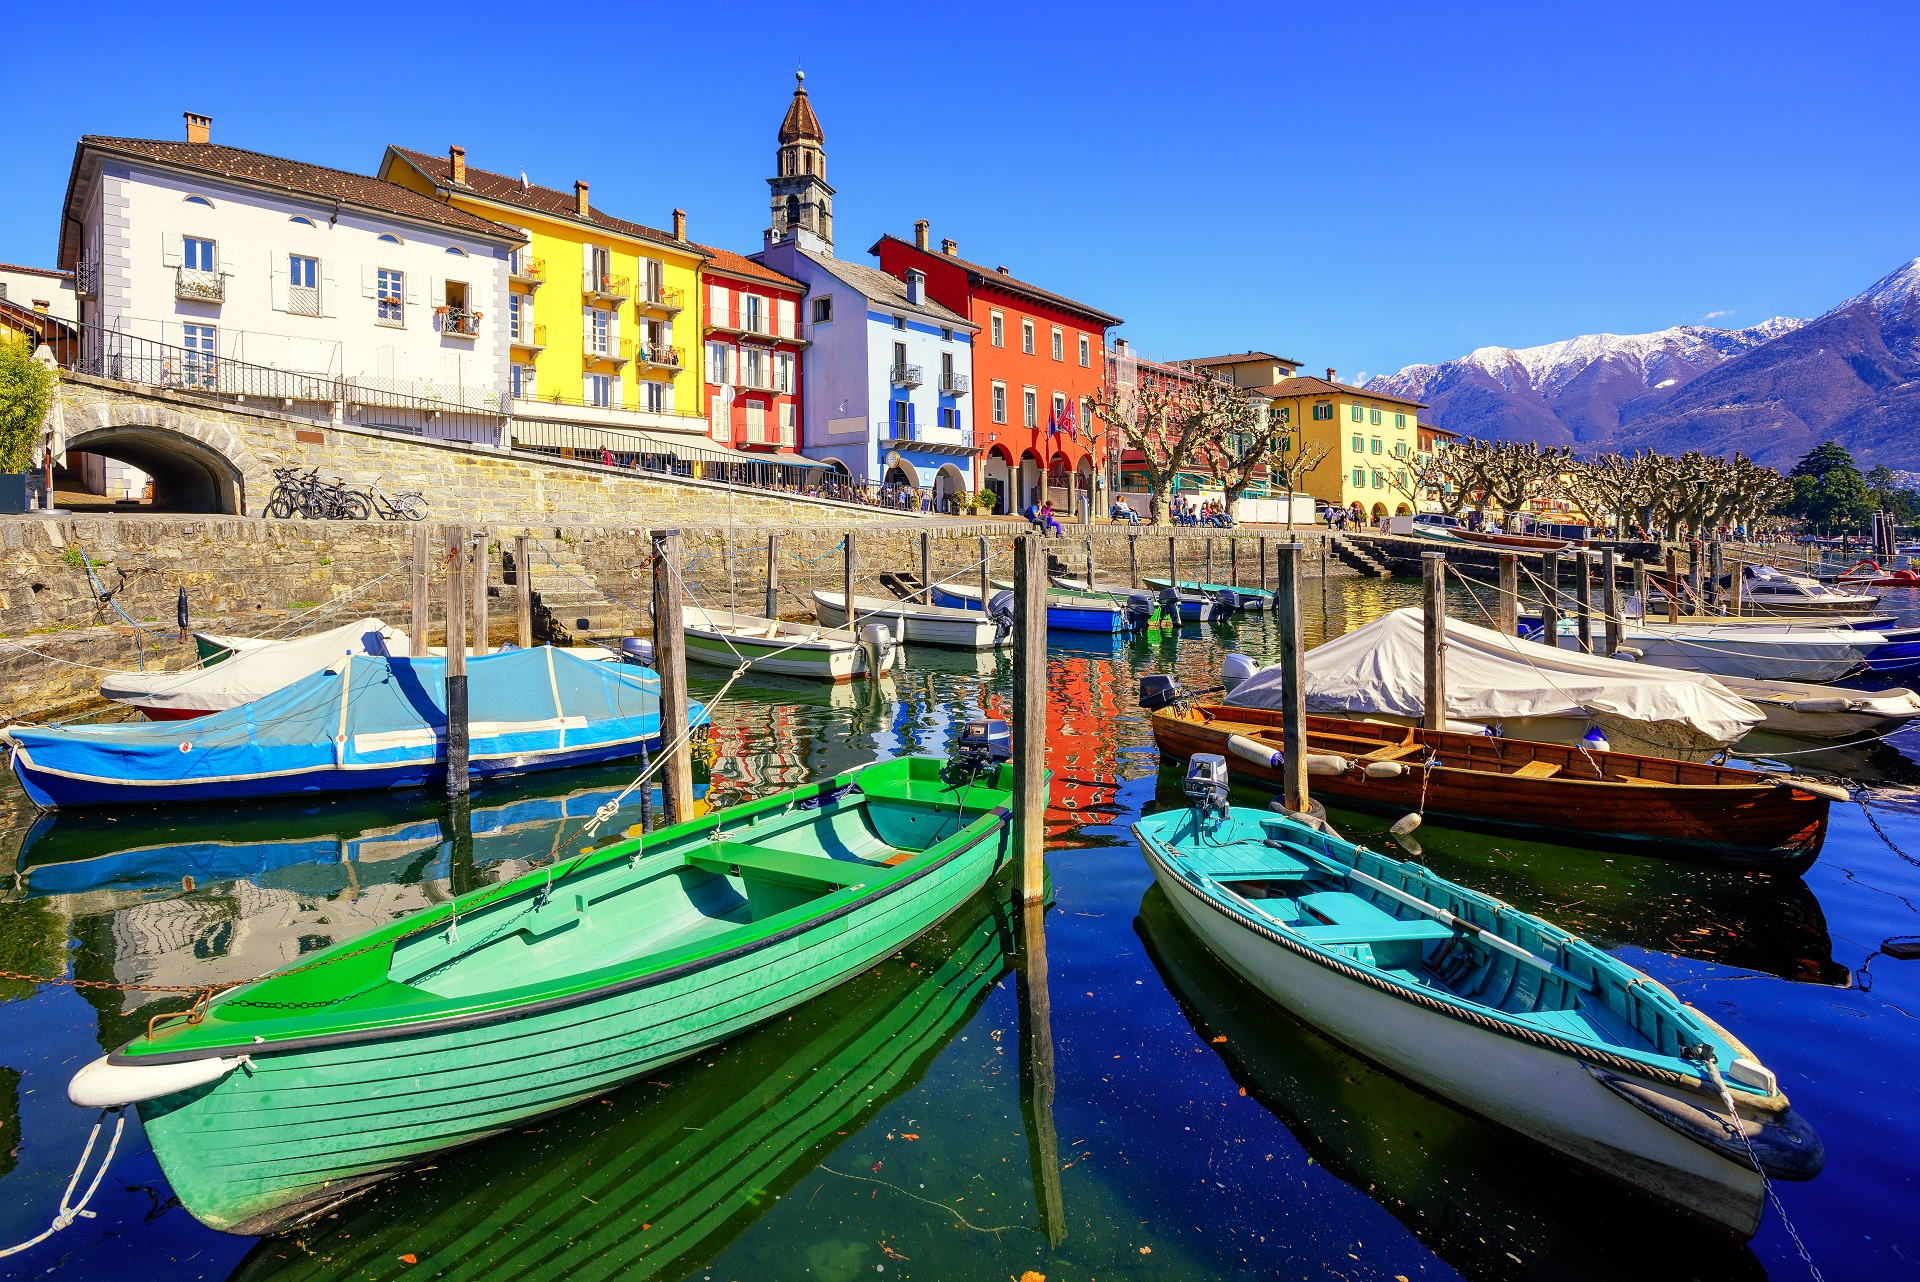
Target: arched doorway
948	483
187	474
1402	510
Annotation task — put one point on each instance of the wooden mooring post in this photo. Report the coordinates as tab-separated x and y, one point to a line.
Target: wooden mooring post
523	581
1037	1070
1090	579
482	573
1510	593
1173	561
1609	600
1550	598
926	569
1133	560
1716	565
1673	587
1433	600
1583	599
1030	713
457	661
1233	560
1736	571
848	565
986	579
1208	577
1293	677
422	574
773	576
1263	565
670	662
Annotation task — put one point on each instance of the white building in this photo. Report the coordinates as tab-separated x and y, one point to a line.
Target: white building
40	288
231	254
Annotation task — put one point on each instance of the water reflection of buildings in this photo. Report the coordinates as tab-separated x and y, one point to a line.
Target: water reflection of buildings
1085	694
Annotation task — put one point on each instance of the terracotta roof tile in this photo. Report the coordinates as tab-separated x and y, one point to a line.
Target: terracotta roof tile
801	123
1239	358
726	260
302	178
1306	385
531	196
1000	280
36	271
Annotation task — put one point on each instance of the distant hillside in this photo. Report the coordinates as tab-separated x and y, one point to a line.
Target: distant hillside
1772	391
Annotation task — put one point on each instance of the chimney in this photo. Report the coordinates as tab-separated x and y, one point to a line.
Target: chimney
916	286
680	225
1120	346
199	127
579	198
1003	271
458	155
1330	377
920	235
951	248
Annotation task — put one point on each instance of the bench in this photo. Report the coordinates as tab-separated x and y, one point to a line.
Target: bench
783	867
1349	919
1392	752
1538	770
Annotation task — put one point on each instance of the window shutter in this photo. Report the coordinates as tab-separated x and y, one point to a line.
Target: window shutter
413	287
613	327
666	397
439	290
169	249
786	317
586	389
666	334
279	279
614	389
369	280
327	287
717	305
586	260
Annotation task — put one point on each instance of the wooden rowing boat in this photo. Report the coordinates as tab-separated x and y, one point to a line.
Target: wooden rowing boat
1609	800
1511	542
1495	1011
915	622
460	1021
724	639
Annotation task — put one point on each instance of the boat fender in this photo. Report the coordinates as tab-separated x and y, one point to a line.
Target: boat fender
1327	763
1785	1145
1255	751
1385	769
1828	704
1818	787
1405	824
1629	652
104	1085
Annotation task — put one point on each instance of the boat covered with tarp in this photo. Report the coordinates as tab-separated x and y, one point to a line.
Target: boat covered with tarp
243	675
1518	689
362	722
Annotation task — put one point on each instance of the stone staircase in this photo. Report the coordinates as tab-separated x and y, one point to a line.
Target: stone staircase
1356	557
567	608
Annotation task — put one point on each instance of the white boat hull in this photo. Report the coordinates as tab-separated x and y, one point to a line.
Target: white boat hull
913	622
789	649
1540	1094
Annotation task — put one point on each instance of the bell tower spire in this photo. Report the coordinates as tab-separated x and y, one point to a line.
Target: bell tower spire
802	200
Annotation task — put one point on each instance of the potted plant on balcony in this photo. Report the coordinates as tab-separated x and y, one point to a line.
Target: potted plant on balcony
26	395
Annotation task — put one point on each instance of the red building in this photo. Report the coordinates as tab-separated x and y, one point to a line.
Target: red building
1038	361
751	358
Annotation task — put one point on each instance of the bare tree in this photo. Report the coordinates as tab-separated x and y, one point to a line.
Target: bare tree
1291	465
1169	422
1238	446
1509	474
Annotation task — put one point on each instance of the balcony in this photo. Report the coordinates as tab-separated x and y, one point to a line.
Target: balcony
532	338
614	351
662	298
769	434
952	384
86	279
303	300
459	322
754	380
531	272
390	312
660	356
604	287
195	286
907	376
936	440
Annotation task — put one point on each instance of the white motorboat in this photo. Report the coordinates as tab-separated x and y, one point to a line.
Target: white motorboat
1767	591
247	668
914	622
725	639
1806	654
1828	714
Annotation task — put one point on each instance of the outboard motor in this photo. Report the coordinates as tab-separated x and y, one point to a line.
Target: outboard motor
1227	599
983	746
1206	783
1159	690
1000	612
876	640
1236	668
1170	604
1139	610
637	650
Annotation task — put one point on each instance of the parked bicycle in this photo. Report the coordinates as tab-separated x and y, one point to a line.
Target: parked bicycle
407	505
304	494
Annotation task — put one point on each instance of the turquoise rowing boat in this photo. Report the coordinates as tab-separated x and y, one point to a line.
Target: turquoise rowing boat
1494	1011
456	1023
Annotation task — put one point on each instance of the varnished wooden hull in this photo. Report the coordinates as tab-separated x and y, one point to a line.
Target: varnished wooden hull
1665	809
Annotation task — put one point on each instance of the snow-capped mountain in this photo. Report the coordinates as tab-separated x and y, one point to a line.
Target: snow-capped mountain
1772	390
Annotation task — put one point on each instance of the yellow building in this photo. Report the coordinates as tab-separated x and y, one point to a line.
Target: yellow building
1372	442
604	313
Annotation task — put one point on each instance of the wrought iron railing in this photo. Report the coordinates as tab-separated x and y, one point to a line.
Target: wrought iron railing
597	348
906	376
197	286
303	300
528	271
459	320
955	384
666	297
660	354
86	279
534	336
632	450
606	285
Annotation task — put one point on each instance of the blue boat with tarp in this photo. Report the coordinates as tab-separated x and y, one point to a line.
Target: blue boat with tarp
364	723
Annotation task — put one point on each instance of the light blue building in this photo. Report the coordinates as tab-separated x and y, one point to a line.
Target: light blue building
888	376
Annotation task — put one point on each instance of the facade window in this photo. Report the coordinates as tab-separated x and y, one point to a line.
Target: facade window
1399	420
786	423
899	322
950	417
197	254
999	324
1359	478
303	285
308	222
901	419
656	396
1323	412
1059	412
946	335
756	367
716	362
999	402
302	271
1374	416
822	310
513	316
753	313
600	390
1400	478
1086	353
200	200
201	342
599	332
1379	481
756	423
1359	444
1059	346
1026	337
1376	444
390	295
783	372
1031	398
523	382
1359	414
899	358
391	239
719	420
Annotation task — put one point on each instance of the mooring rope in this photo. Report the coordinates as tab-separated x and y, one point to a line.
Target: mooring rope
69	1211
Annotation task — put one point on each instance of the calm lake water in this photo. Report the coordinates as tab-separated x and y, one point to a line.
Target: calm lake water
890	1129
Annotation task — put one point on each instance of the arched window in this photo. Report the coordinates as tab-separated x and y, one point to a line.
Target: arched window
809	162
200	200
298	219
793	211
392	240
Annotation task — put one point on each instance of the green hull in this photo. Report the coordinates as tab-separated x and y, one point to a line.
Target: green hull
425	1035
696	1157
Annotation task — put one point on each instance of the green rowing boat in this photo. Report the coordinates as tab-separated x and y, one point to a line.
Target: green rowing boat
458	1022
666	1173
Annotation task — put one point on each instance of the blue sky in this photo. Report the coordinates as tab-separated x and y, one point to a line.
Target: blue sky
1359	186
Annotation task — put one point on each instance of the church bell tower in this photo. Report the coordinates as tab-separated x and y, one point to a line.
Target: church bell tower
802	201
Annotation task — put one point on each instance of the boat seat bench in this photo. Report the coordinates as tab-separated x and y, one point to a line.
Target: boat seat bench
808	872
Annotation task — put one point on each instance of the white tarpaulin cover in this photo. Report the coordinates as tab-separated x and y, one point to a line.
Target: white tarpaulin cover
1491	677
250	674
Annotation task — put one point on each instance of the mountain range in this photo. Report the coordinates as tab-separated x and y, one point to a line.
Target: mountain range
1771	391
